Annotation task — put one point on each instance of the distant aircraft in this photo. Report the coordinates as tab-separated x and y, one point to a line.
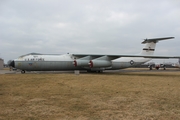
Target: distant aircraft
157	66
89	62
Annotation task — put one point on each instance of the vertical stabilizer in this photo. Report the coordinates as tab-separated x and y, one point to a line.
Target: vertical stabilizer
150	45
148	49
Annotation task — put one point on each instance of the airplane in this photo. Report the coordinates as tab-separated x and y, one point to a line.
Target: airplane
88	62
157	66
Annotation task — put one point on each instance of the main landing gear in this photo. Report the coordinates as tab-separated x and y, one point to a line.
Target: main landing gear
22	71
95	71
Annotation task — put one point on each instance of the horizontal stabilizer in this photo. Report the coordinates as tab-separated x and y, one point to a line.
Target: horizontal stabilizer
155	40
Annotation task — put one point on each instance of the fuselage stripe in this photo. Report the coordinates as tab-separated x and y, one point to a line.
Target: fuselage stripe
148	49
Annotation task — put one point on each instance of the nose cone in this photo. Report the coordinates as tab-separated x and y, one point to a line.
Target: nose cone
12	64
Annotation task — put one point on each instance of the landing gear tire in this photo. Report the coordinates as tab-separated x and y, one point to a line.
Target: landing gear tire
150	68
22	71
99	71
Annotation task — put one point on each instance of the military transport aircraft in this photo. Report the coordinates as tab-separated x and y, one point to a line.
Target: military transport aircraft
89	62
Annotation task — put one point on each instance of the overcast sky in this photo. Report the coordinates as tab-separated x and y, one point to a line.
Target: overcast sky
87	26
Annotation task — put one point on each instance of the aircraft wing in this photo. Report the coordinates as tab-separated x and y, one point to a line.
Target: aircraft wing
112	57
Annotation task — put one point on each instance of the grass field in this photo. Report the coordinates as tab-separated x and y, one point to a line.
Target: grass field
111	96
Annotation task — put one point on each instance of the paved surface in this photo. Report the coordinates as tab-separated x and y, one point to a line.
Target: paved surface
6	71
147	70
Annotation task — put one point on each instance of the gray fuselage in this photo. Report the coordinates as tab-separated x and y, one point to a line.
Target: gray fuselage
65	63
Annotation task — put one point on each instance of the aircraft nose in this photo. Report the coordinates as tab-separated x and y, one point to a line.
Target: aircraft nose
12	64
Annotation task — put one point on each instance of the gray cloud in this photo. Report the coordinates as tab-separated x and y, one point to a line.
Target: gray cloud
87	26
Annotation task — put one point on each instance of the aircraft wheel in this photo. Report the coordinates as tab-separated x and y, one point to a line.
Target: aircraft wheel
100	71
150	68
22	71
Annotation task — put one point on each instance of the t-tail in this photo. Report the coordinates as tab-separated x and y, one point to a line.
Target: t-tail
150	45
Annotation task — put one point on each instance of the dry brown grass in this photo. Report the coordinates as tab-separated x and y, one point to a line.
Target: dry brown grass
110	96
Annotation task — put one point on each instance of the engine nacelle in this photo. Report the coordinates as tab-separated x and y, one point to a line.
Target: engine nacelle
100	63
81	63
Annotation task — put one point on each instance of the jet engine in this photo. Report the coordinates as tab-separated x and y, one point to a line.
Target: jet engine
99	63
82	63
